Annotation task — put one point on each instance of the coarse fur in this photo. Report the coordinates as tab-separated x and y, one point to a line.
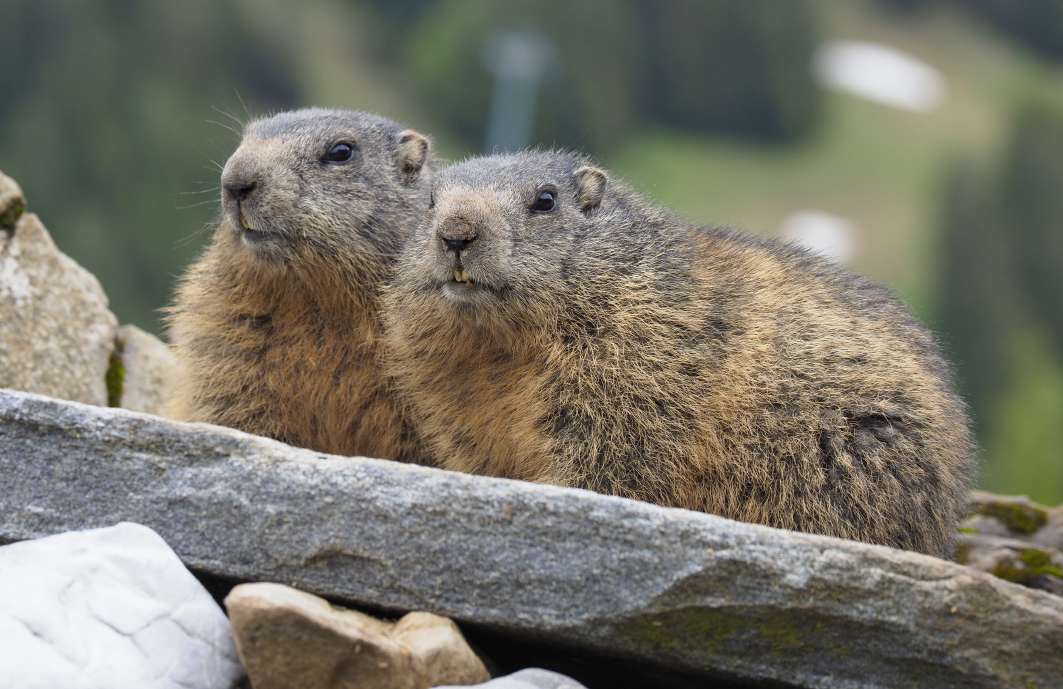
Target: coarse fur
605	344
275	326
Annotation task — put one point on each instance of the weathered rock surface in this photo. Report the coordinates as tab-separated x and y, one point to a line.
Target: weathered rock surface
589	574
532	678
110	607
56	332
288	638
1014	538
148	371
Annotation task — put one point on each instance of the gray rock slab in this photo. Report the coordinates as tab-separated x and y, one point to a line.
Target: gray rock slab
149	371
56	332
106	608
532	678
629	580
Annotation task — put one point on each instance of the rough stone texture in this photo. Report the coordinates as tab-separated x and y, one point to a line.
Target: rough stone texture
588	573
1014	538
438	646
110	607
56	332
288	638
532	678
149	369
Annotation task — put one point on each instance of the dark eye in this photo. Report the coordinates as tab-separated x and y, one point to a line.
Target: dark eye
431	199
545	202
340	153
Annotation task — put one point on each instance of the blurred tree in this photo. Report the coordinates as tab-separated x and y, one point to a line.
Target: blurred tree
977	306
587	94
103	121
1038	24
739	68
1033	204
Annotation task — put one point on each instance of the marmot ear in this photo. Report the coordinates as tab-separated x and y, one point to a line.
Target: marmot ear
413	153
590	187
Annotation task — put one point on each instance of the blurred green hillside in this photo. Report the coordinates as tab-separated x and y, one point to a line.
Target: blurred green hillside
116	115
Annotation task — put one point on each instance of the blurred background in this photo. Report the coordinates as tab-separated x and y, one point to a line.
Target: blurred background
918	141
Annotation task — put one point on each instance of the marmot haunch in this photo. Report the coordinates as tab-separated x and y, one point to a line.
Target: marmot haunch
548	324
276	325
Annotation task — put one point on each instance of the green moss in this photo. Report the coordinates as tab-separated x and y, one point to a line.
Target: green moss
728	634
9	217
115	377
1022	519
1035	563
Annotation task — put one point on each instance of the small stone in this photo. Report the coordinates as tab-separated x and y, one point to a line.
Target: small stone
531	678
148	368
56	332
288	638
12	203
437	644
111	607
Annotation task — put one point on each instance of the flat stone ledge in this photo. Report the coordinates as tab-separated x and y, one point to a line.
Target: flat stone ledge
691	592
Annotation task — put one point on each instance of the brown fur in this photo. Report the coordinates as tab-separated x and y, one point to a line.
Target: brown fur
276	328
607	345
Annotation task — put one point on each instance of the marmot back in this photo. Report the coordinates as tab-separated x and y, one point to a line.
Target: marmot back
548	324
276	326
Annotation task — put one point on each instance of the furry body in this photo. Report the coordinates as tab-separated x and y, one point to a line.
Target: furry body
275	326
607	345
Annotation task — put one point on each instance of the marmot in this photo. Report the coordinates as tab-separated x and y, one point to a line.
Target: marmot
548	324
275	325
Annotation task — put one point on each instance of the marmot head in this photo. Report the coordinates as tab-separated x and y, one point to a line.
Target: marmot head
497	234
323	183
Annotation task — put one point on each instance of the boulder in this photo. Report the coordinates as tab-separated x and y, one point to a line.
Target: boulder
146	376
56	332
288	638
1014	538
655	596
111	607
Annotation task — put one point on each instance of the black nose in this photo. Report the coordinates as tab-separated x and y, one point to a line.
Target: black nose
457	244
239	190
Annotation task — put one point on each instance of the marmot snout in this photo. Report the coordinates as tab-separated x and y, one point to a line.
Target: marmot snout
546	323
276	325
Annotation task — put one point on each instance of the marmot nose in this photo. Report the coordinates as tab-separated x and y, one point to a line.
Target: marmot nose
239	189
457	244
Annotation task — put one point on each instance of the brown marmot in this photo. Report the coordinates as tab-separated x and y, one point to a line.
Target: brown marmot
275	325
548	324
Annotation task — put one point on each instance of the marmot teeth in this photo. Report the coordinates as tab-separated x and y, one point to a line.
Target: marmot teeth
462	275
247	225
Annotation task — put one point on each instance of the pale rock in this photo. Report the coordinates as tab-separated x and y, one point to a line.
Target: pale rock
149	371
288	638
532	678
109	608
438	646
56	332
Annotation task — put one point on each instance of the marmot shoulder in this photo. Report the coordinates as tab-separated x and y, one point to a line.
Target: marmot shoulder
276	325
547	323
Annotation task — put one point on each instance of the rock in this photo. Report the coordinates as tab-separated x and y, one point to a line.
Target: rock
438	646
56	332
12	203
594	578
288	638
147	371
111	607
532	678
1015	539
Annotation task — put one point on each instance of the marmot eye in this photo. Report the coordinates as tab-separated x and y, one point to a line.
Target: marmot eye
340	153
543	204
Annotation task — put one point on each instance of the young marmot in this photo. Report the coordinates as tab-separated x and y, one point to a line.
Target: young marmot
276	326
548	324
